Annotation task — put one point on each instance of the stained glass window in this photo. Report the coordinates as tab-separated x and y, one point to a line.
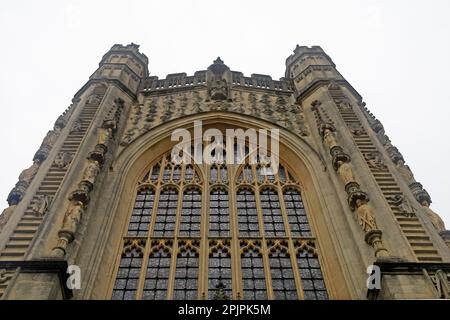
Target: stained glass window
157	276
273	219
186	275
166	213
191	213
296	214
247	214
283	282
219	274
141	215
128	275
311	276
253	276
219	218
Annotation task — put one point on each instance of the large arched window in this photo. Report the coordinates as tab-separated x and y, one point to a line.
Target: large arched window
218	231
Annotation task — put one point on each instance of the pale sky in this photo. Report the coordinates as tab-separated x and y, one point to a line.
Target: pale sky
396	54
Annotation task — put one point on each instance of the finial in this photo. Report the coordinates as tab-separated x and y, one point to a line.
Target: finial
218	61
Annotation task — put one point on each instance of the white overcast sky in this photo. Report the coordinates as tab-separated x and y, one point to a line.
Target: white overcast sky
395	53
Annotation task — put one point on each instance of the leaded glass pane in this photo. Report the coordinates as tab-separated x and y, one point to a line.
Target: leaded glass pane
311	276
253	277
186	275
157	277
296	214
141	214
219	218
166	213
273	219
247	214
191	213
219	275
128	275
283	282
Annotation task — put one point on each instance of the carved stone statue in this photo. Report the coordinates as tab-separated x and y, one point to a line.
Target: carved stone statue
365	216
104	135
219	89
62	160
329	137
406	172
6	214
403	205
27	175
72	218
93	99
434	217
51	137
40	206
345	171
375	160
442	284
3	277
91	171
77	126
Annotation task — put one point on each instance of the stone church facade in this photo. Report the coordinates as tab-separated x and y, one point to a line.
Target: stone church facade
104	195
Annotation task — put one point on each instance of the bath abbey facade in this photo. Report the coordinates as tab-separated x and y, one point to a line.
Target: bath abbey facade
104	211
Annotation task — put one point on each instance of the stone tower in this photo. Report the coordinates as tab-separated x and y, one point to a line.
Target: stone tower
105	213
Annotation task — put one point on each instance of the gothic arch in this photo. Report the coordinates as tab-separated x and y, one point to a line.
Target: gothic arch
136	159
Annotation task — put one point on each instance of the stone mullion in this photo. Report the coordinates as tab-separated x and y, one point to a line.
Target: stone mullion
234	233
264	248
204	245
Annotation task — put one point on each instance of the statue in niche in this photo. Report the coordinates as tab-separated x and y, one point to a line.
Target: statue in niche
435	219
72	217
218	89
345	171
403	205
27	175
94	99
375	160
104	136
91	171
329	137
77	126
365	216
41	205
63	159
355	129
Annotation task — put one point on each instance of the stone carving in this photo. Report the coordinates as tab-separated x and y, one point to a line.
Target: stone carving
61	122
365	216
6	215
28	174
433	216
329	135
41	205
3	277
63	159
218	89
375	160
105	134
94	99
91	171
66	234
355	128
345	171
51	137
77	126
403	205
442	284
